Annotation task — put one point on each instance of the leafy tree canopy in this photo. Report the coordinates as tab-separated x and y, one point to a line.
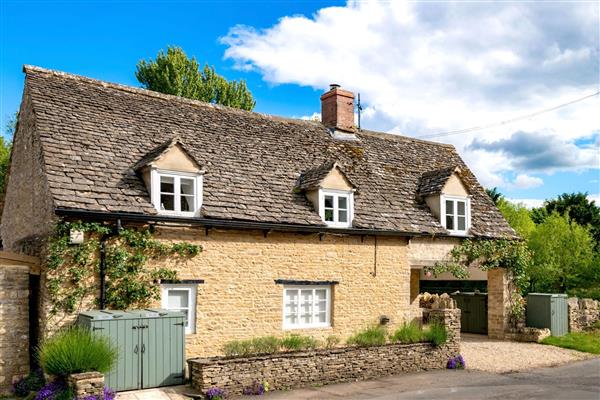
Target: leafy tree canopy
518	217
494	194
5	146
563	255
175	73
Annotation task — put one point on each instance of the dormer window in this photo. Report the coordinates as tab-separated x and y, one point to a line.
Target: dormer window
331	193
336	207
173	178
456	214
177	192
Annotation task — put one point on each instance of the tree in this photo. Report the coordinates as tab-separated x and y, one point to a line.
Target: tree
517	216
494	194
562	255
5	147
174	73
579	209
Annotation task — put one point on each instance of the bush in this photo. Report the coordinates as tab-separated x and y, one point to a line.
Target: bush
372	336
76	350
32	382
298	342
408	333
590	293
265	345
331	341
436	334
238	348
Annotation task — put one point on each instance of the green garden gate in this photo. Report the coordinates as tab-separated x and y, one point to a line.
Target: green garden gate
151	346
473	312
548	310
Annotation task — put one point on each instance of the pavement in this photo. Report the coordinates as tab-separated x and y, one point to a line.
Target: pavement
575	381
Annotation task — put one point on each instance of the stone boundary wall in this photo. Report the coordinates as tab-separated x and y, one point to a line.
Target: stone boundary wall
14	317
583	313
87	384
326	366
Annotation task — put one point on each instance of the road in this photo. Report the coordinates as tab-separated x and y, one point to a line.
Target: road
574	381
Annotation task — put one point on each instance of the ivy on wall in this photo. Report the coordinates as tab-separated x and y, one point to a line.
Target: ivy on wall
487	254
130	280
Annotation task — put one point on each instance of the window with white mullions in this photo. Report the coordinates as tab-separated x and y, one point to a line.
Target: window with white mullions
306	307
456	214
181	297
176	193
336	208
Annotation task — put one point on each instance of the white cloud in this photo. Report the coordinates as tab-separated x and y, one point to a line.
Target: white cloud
523	181
529	203
425	67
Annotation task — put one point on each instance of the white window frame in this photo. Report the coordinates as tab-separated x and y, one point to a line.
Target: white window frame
349	194
190	328
301	325
155	176
455	199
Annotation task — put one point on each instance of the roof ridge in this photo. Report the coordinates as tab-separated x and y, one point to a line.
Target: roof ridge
27	68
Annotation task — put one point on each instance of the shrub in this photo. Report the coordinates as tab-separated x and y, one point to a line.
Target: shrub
371	336
265	345
298	342
408	333
331	341
585	293
436	334
76	350
237	348
32	382
54	390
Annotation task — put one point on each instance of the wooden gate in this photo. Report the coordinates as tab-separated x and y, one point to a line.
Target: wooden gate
474	312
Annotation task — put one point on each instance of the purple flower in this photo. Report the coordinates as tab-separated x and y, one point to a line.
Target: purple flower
215	393
457	362
50	390
451	364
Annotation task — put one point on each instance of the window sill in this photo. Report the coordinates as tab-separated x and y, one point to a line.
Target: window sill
178	214
337	226
295	327
459	233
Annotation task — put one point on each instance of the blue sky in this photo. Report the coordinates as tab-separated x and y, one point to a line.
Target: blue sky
420	68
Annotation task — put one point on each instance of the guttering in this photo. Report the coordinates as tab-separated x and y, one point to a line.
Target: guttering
230	224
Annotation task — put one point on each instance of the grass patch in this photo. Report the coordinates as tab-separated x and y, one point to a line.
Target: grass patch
436	334
372	336
408	333
588	342
76	350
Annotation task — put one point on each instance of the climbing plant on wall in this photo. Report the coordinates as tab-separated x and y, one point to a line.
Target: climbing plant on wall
131	277
512	255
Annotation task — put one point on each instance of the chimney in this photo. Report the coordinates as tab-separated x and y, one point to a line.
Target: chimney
337	109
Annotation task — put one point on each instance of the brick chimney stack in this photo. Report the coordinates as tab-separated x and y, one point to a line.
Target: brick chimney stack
337	109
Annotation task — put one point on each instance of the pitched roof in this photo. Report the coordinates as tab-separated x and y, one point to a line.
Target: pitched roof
312	178
94	134
433	182
158	151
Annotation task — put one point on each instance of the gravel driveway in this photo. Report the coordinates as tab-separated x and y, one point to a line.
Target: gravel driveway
491	355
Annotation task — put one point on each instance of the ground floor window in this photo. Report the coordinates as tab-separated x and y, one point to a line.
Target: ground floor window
181	297
306	306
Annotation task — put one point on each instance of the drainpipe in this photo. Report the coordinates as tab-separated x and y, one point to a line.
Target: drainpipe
115	232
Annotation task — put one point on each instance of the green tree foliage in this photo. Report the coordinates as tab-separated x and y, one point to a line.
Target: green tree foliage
5	146
175	73
494	194
518	217
563	255
579	209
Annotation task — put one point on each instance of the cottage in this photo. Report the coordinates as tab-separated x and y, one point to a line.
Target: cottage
313	227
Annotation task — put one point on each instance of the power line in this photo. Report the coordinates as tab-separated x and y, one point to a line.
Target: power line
508	121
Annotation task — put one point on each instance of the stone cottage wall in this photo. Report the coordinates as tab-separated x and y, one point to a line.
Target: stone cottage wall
14	318
583	313
321	367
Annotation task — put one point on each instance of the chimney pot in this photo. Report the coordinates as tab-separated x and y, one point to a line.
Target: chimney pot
337	108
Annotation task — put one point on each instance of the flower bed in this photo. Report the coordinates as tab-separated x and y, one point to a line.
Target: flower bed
325	366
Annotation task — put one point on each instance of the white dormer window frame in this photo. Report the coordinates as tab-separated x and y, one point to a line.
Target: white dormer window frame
455	214
177	177
333	213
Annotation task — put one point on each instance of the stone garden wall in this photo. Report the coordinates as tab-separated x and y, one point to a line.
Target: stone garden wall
14	317
583	313
326	366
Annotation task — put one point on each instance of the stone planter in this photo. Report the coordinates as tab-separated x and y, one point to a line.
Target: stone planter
87	384
326	366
